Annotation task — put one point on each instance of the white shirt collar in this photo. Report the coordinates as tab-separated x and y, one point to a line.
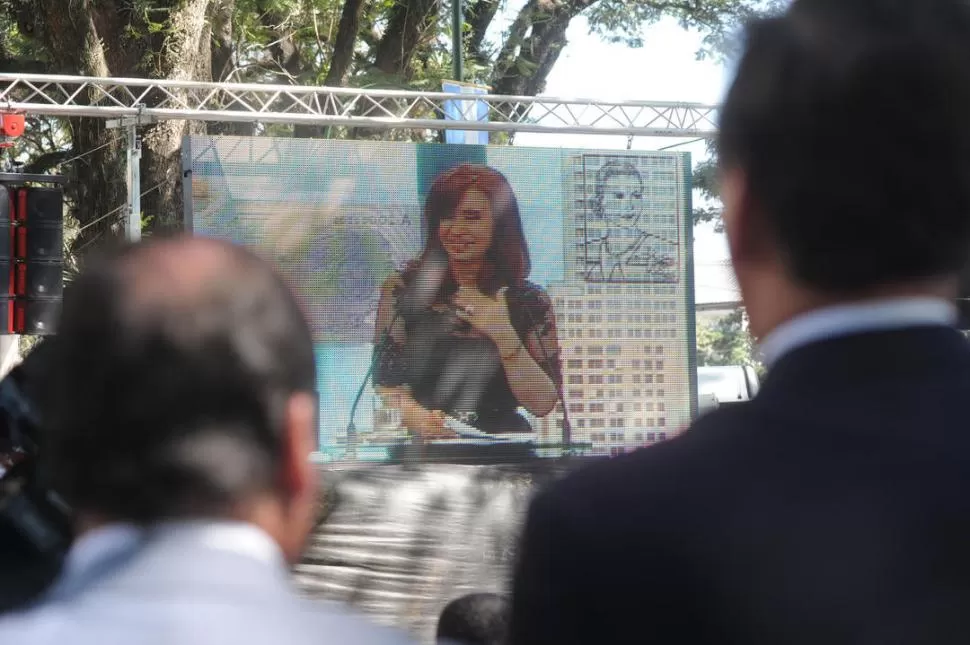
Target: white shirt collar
98	543
842	320
240	538
235	537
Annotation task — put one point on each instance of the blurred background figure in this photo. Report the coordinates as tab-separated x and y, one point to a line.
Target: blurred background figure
832	507
35	522
179	419
475	619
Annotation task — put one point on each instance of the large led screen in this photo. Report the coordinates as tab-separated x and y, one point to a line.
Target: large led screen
469	299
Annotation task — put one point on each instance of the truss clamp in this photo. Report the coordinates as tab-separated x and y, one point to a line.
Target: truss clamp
134	120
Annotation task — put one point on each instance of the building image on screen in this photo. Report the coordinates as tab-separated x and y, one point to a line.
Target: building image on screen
625	331
458	294
627	238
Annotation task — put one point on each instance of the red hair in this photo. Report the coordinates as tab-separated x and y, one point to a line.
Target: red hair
507	259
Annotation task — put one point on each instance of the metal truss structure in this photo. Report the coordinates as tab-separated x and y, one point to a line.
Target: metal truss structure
146	101
132	102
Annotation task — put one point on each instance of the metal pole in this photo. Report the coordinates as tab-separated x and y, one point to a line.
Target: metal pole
133	219
457	23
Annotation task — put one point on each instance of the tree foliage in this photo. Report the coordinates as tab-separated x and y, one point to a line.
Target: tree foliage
705	183
725	341
359	43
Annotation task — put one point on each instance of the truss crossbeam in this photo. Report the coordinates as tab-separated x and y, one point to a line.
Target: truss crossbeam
127	98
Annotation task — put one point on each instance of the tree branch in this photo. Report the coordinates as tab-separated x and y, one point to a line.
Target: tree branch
479	16
46	161
284	49
340	60
222	42
536	39
406	26
510	48
14	65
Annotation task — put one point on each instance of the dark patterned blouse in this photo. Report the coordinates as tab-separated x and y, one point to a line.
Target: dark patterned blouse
449	366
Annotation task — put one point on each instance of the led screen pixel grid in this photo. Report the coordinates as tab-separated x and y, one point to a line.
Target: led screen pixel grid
608	233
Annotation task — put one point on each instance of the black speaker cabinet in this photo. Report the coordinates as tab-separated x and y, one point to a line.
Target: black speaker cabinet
7	204
6	240
6	314
7	282
44	280
43	243
41	316
45	207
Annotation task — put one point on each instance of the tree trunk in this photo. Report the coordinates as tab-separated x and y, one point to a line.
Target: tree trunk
407	28
285	56
536	39
479	17
74	34
409	24
283	49
223	65
222	45
99	184
340	59
343	46
77	34
185	55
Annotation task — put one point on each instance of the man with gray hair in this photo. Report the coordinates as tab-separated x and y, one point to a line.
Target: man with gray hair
180	419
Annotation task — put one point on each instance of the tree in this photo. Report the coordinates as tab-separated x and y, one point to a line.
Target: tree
705	181
725	341
160	39
384	43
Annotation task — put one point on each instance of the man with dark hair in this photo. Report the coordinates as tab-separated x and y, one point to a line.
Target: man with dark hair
179	424
832	508
475	619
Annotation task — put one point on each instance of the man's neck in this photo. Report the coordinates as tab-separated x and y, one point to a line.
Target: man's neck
261	513
97	538
776	302
219	533
856	318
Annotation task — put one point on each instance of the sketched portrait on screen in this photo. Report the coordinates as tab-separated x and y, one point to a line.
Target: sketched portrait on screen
621	243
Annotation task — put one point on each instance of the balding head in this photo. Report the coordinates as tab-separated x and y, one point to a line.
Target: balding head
178	364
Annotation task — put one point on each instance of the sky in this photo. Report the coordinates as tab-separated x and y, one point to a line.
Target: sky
664	69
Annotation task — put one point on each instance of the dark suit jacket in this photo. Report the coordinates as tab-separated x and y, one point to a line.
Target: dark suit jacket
834	508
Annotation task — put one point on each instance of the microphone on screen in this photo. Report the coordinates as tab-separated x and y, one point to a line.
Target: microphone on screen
418	297
351	431
413	301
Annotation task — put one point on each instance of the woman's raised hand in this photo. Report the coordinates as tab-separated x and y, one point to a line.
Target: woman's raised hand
488	315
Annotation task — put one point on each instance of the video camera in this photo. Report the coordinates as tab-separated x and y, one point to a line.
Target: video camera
35	527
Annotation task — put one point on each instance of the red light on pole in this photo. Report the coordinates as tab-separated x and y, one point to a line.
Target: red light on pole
11	127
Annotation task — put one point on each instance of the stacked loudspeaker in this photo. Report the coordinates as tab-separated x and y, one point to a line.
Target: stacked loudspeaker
32	258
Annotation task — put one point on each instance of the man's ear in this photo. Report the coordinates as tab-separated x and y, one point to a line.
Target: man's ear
745	234
298	443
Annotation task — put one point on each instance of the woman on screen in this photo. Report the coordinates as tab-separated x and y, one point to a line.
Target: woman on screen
460	331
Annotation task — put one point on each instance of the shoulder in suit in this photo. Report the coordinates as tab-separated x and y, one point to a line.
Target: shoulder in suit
824	511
